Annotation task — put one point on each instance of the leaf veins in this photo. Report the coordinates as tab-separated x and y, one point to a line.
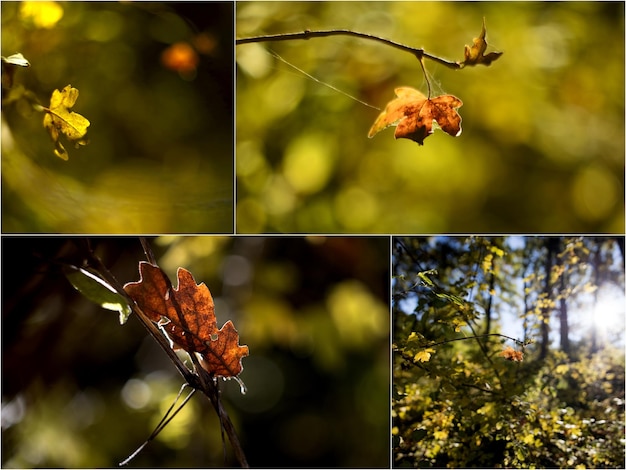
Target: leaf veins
413	114
187	315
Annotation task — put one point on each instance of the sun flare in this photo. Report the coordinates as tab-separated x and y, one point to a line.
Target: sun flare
608	314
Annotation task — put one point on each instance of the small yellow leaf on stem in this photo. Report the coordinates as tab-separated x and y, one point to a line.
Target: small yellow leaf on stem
424	355
60	119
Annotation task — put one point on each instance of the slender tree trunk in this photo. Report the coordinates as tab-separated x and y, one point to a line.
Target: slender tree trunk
492	281
552	244
563	317
596	261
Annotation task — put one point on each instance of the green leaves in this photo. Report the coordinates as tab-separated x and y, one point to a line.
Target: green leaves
474	54
59	119
97	290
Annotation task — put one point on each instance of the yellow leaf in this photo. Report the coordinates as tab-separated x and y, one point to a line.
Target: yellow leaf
486	409
59	119
424	355
561	369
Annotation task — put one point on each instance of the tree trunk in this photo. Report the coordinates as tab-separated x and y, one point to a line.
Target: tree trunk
492	281
563	317
552	245
596	262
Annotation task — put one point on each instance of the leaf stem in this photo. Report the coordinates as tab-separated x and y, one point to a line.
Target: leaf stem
308	34
421	60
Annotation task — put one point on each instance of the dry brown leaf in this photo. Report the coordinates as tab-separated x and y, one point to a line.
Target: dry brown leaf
187	315
413	114
511	354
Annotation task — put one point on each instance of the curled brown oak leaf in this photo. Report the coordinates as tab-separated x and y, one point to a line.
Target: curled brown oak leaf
187	315
413	114
474	55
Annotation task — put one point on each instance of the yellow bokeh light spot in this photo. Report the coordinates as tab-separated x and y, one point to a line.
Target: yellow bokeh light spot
594	193
308	163
356	209
41	14
279	197
358	316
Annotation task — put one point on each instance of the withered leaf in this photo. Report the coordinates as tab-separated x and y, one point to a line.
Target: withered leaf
60	119
187	315
511	354
413	114
474	55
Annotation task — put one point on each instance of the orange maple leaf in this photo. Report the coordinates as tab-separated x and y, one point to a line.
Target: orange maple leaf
187	315
511	354
413	114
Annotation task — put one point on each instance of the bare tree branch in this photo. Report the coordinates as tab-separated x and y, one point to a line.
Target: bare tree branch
307	34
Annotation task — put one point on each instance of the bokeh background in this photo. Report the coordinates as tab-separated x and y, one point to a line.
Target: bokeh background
156	82
542	148
79	390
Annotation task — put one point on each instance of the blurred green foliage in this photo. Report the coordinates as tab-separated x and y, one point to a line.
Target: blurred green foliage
79	390
156	82
542	148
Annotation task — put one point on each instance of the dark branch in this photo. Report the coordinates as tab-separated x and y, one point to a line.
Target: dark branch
419	53
465	338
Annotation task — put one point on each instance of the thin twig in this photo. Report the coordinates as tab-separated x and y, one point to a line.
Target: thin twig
307	34
147	249
208	385
159	427
97	264
517	341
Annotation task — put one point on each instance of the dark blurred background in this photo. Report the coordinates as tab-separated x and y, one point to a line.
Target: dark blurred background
542	148
156	82
80	390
